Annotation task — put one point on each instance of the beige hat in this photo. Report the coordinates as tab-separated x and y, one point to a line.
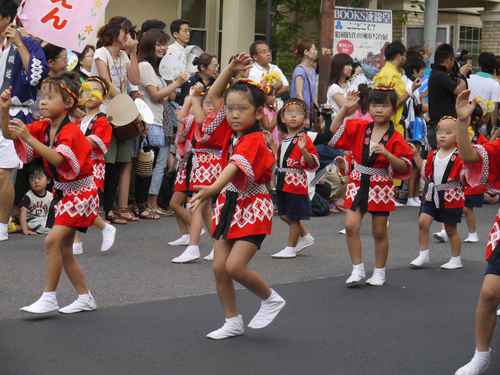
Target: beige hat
122	110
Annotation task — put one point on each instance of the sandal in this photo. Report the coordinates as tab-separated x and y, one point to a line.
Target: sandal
149	214
160	211
112	218
124	213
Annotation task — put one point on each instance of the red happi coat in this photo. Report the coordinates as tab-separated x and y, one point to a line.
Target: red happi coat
184	155
99	130
77	199
210	139
480	189
244	207
487	172
372	193
450	198
291	171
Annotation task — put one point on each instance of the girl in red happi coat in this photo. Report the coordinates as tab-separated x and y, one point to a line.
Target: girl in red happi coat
96	127
443	196
482	167
66	155
379	154
296	155
244	209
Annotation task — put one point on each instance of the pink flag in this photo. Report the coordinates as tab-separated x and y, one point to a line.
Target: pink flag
64	23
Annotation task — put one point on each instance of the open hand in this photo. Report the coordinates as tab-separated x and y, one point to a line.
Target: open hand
182	78
302	142
464	106
241	62
13	35
18	129
6	100
201	196
352	102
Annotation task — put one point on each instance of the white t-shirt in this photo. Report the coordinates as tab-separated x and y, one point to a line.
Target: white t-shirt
257	72
333	90
483	85
4	54
150	78
118	68
440	163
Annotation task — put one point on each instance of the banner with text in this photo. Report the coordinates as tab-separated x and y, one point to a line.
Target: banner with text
362	33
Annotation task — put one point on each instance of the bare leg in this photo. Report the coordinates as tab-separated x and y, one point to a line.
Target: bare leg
353	224
124	184
53	255
207	216
99	223
78	238
224	283
237	268
182	215
412	184
294	233
153	202
470	218
197	224
424	225
454	238
6	195
71	266
379	231
486	319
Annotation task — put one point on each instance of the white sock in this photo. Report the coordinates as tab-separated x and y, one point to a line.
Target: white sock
456	258
49	295
4	228
290	248
424	252
482	356
359	267
107	227
472	233
379	271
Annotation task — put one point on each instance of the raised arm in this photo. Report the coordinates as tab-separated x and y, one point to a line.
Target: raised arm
5	102
349	107
465	108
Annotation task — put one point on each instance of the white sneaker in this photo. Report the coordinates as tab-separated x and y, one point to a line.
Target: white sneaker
181	241
399	204
210	256
454	263
378	277
472	238
412	202
498	312
287	253
306	241
232	327
77	248
357	276
108	237
84	302
203	232
269	309
342	231
422	260
441	236
4	236
45	304
477	365
191	254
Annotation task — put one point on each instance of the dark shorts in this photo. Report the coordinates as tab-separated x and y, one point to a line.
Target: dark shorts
256	240
493	267
443	215
376	213
472	201
295	207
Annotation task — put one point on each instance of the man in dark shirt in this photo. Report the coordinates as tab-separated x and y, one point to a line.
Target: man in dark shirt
443	88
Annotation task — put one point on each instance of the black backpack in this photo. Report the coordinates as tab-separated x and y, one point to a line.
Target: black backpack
320	206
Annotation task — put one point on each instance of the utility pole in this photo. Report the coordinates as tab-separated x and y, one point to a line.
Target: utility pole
269	22
326	46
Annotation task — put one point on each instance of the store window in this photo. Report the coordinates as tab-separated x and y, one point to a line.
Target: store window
470	39
415	36
195	11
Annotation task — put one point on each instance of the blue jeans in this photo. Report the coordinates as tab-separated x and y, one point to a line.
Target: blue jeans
327	154
158	171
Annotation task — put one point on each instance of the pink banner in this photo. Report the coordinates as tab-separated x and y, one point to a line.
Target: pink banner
64	23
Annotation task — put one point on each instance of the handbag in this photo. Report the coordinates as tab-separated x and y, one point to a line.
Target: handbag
156	135
145	160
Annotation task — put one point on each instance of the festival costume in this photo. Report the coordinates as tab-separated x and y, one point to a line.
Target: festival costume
444	200
184	156
209	142
487	172
99	130
76	200
292	183
244	208
474	195
370	187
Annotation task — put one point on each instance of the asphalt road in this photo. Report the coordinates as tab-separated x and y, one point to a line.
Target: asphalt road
153	314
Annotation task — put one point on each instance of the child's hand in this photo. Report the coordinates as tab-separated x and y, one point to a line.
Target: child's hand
13	35
6	99
18	129
464	106
302	143
352	101
29	232
380	150
197	90
241	62
201	196
182	78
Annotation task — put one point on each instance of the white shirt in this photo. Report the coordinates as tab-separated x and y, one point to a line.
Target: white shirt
4	54
486	87
176	62
440	163
334	90
257	72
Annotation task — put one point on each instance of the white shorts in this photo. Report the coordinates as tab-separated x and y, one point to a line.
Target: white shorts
8	155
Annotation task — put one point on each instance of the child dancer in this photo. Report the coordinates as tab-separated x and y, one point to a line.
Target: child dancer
244	209
444	196
482	166
66	154
98	131
296	155
379	154
210	136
